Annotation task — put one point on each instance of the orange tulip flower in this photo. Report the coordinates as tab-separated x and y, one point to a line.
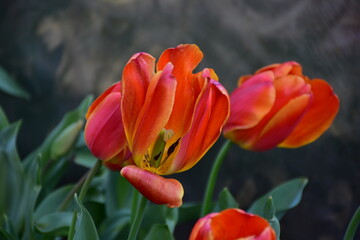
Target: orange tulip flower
167	118
280	107
232	224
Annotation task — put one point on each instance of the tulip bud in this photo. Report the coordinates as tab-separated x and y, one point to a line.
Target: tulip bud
66	139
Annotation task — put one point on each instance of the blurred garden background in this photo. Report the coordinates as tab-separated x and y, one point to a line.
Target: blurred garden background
62	50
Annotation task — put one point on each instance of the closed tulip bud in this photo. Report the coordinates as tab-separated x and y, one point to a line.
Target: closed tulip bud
64	142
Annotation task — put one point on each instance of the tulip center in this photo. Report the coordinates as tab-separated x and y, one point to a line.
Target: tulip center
155	157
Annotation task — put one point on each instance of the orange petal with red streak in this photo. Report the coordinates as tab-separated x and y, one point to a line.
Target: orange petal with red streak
202	228
135	80
251	102
212	110
282	123
157	189
155	112
317	119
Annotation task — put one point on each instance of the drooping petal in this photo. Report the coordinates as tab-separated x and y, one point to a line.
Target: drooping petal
155	112
317	119
135	80
157	189
104	133
251	102
212	110
185	58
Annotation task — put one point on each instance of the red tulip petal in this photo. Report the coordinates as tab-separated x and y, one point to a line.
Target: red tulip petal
157	189
113	89
236	224
318	118
104	133
283	69
212	110
251	102
283	123
184	58
136	77
202	228
154	114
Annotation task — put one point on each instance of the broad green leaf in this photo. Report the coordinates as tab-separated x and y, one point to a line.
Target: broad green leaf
112	227
226	200
85	227
4	122
118	192
55	224
4	235
269	215
52	202
285	197
159	231
11	87
171	216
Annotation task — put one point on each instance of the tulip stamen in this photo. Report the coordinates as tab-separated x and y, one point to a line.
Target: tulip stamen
159	146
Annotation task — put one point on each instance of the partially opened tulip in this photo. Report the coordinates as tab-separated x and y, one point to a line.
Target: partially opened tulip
160	121
280	107
232	224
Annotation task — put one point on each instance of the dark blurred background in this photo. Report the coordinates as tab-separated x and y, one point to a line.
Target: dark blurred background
62	50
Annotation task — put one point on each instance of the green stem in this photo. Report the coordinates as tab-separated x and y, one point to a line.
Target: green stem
353	225
82	194
206	205
70	195
141	205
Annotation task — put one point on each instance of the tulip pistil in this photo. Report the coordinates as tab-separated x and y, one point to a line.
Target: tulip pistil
159	146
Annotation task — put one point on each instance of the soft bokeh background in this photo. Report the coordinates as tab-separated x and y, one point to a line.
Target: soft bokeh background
62	50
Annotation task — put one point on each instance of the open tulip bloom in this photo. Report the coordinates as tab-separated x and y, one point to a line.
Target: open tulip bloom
280	107
158	121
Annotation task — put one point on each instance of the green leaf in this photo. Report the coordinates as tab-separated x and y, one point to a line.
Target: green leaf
171	216
52	202
85	227
269	214
226	200
4	122
6	235
159	231
285	197
11	87
189	212
118	192
55	224
112	227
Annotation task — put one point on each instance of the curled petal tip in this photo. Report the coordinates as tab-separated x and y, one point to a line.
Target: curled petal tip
157	189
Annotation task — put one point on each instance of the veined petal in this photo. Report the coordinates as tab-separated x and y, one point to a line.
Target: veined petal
283	123
251	102
135	80
155	113
104	133
185	58
212	110
317	119
157	189
115	88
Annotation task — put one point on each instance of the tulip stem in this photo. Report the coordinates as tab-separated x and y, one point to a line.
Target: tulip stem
206	205
140	209
82	194
353	226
